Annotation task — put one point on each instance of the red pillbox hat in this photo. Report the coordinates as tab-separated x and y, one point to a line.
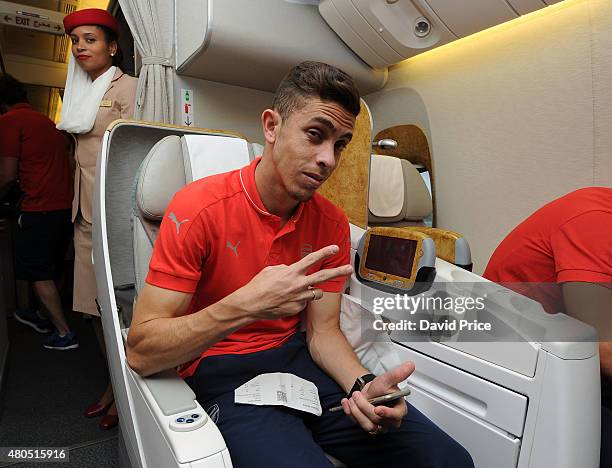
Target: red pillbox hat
94	16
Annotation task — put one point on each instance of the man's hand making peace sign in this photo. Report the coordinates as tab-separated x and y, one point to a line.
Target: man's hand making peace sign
284	290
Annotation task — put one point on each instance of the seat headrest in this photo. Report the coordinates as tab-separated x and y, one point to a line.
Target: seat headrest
386	195
176	161
207	155
418	204
397	191
163	163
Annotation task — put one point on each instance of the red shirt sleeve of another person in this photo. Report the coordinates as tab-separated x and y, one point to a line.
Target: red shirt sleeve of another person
583	249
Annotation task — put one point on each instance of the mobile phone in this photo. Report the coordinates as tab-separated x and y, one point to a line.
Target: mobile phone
381	400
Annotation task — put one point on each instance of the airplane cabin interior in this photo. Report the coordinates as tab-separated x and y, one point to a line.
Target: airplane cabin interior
474	114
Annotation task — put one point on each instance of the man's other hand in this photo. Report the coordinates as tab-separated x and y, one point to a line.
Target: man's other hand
285	290
379	419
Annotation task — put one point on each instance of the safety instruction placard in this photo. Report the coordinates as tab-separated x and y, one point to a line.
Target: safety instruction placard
187	107
280	389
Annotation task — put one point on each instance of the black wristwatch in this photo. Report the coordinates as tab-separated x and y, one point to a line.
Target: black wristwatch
360	383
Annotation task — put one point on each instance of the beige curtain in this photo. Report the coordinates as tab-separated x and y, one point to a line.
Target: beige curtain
151	23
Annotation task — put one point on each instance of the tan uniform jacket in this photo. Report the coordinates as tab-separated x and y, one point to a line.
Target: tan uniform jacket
118	103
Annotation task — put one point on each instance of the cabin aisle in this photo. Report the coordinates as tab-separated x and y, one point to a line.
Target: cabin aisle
45	393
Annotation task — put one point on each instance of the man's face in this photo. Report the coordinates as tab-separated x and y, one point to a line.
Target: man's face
308	145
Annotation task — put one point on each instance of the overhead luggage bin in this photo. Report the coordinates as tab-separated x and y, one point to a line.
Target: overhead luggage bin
254	44
386	32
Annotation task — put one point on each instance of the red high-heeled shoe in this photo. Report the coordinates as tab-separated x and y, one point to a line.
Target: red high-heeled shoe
96	410
108	421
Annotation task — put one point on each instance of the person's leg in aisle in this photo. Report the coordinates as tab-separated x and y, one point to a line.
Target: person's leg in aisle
108	397
49	297
42	239
58	234
84	300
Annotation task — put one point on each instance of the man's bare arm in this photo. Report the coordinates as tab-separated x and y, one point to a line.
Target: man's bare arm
332	352
162	336
327	344
592	303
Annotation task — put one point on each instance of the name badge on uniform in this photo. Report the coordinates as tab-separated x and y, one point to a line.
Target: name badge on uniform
106	103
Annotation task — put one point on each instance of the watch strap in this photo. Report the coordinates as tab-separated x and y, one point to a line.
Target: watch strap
361	382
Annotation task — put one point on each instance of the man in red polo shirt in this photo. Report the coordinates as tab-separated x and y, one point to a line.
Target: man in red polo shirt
561	256
35	153
241	259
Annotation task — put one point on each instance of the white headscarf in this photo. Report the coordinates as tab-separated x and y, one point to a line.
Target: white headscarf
82	98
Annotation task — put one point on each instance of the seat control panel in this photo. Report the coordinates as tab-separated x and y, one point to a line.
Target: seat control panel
188	422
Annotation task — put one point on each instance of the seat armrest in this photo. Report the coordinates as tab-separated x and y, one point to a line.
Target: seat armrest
158	402
170	392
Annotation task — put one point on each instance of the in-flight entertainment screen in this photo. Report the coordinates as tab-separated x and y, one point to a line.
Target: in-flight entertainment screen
392	255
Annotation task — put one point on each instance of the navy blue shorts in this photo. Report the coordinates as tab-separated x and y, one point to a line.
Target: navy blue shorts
275	436
40	244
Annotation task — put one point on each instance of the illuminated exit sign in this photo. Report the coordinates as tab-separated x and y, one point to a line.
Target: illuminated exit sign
36	19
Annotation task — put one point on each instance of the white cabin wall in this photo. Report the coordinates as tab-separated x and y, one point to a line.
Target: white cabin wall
516	116
224	107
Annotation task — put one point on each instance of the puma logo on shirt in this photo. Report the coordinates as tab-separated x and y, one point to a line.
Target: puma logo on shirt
178	223
232	247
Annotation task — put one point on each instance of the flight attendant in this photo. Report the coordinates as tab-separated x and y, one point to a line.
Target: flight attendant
97	92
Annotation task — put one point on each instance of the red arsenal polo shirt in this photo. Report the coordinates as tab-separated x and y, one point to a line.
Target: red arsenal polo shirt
44	171
569	239
217	235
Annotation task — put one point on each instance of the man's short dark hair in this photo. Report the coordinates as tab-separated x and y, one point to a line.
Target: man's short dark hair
319	80
12	91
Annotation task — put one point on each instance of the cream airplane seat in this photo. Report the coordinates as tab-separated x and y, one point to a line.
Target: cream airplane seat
399	197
